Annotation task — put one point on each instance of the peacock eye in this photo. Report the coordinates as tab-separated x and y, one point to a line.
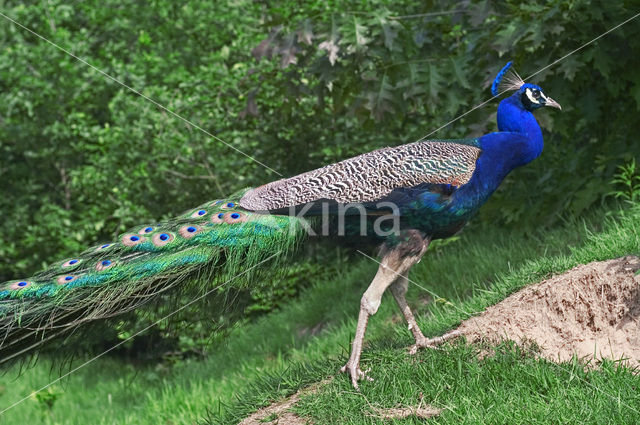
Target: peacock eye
65	279
236	217
162	239
535	93
20	284
145	230
199	213
132	239
70	263
189	231
104	264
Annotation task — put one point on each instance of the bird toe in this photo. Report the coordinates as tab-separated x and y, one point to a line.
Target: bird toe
356	374
432	342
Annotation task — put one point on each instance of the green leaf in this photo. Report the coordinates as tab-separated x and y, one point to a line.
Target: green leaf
288	51
456	64
435	82
360	32
390	30
381	101
331	44
305	33
355	35
414	86
602	61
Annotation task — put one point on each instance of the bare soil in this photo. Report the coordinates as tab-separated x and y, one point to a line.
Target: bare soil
405	412
591	311
279	413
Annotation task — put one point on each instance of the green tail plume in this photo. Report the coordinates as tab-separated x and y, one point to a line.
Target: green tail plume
207	244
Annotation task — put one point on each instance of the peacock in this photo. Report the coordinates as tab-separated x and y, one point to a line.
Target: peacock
395	199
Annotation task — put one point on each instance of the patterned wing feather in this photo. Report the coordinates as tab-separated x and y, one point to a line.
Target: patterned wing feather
372	176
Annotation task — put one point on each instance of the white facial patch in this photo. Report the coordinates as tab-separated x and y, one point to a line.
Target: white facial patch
529	93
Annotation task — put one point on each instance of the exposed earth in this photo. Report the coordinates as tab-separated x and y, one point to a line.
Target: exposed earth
591	311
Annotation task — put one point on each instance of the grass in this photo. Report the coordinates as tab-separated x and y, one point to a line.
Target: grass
278	354
509	387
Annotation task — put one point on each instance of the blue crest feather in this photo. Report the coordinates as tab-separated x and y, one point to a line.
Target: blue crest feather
496	82
507	79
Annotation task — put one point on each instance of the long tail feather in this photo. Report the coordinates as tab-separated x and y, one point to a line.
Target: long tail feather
206	244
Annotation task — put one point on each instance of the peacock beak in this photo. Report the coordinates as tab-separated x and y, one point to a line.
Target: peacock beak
552	103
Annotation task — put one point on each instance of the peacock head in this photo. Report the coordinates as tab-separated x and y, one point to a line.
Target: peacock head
530	95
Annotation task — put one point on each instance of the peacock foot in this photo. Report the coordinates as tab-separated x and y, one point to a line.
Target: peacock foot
353	369
423	342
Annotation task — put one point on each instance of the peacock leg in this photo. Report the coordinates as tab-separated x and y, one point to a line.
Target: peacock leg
399	290
396	261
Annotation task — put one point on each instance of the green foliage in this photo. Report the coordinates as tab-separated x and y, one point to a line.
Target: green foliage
48	397
627	182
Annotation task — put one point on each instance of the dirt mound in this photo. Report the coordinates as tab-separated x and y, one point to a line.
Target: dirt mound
591	311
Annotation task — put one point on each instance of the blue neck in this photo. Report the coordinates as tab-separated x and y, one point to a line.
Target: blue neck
514	118
518	142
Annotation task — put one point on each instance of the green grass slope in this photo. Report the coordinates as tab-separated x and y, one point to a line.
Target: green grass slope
308	340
